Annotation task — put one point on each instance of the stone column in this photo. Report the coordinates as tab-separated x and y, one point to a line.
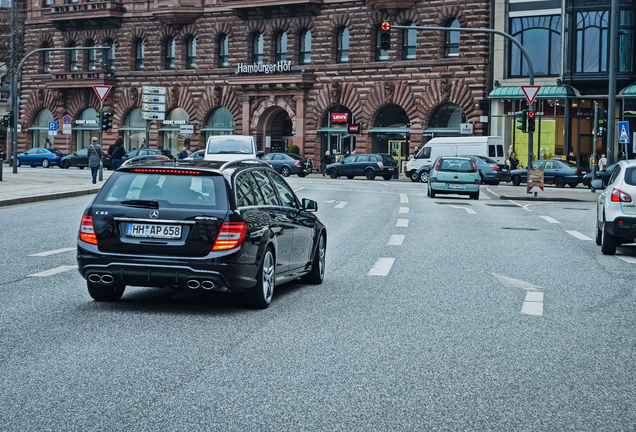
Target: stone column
299	135
246	116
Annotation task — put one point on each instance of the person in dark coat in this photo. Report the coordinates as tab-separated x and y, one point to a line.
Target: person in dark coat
326	160
118	154
514	162
571	157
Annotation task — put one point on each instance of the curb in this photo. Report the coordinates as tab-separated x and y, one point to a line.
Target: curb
544	199
38	198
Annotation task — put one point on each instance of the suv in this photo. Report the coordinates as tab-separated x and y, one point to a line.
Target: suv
234	226
231	147
368	165
616	209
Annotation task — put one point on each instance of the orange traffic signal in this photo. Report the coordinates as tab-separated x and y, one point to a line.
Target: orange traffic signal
386	26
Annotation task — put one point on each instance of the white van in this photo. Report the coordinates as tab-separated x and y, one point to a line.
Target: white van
491	146
228	148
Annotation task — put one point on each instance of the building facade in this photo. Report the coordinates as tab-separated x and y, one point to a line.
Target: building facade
291	72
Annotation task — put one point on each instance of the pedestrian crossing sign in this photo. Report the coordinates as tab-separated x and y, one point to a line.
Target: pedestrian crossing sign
623	132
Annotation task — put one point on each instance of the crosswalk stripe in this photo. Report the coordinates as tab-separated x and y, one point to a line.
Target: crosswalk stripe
404	198
54	271
52	252
549	219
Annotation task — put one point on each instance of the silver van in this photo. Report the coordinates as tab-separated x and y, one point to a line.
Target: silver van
231	147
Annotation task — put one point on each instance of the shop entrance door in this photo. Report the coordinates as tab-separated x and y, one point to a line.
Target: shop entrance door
341	143
397	150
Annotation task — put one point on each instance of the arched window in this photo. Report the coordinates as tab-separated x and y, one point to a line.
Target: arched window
451	44
382	46
91	57
140	54
108	56
224	48
171	47
409	43
281	47
134	130
191	53
447	119
257	49
40	129
220	122
305	47
342	52
72	58
46	60
541	37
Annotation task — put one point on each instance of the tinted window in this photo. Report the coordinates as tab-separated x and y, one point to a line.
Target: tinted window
278	157
610	168
32	151
247	193
630	176
133	153
500	151
267	157
284	192
614	175
455	165
551	165
362	158
569	164
42	151
82	152
388	159
294	156
538	164
486	159
492	152
238	145
266	188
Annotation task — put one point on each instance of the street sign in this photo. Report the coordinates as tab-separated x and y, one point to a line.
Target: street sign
535	179
153	99
153	107
186	129
67	120
466	128
153	116
102	91
52	127
66	129
154	90
53	133
531	92
623	132
19	128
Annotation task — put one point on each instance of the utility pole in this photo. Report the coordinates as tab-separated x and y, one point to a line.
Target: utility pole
13	132
611	92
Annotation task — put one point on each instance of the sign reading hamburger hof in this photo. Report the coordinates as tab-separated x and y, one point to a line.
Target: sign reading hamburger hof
281	66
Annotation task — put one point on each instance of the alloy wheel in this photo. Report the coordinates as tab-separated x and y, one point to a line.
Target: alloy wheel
268	277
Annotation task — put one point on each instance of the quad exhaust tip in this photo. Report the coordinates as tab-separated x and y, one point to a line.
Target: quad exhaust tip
193	284
94	277
105	279
208	285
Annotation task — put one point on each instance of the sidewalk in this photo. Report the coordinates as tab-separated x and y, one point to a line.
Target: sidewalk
549	193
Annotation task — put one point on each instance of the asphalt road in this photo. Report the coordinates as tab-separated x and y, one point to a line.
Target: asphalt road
485	315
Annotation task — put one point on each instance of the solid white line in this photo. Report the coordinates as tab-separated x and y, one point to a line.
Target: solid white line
341	205
382	267
549	219
578	235
468	210
516	203
54	271
41	254
396	240
494	193
296	190
404	199
330	201
404	209
402	223
532	308
626	258
534	296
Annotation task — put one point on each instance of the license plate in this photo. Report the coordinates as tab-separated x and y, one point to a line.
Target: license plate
455	186
153	231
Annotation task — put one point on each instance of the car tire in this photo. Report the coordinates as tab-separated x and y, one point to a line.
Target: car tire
109	293
431	192
516	180
317	273
428	191
474	195
46	163
481	178
413	176
387	177
333	173
599	235
350	177
424	177
608	241
285	171
260	296
559	182
65	164
369	174
81	167
302	175
19	163
573	185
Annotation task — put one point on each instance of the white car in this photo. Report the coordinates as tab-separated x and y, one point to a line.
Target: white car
229	148
616	208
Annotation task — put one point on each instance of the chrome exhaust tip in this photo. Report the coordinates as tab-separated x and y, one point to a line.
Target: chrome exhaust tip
107	279
208	285
94	277
193	284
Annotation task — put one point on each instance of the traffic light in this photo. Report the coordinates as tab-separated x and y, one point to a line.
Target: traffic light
105	121
531	119
601	121
5	120
522	120
385	36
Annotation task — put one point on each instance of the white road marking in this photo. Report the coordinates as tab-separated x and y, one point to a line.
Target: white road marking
525	207
54	271
382	267
396	240
341	205
494	193
515	283
468	210
53	252
626	258
533	303
296	190
404	209
578	235
402	223
549	219
534	296
330	201
532	308
404	199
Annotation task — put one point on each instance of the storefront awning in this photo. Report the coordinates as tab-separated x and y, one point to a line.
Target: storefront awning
630	91
334	130
544	92
86	128
441	130
129	128
388	130
218	129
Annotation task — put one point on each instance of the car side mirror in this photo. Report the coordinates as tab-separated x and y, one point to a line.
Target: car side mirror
310	205
260	154
597	184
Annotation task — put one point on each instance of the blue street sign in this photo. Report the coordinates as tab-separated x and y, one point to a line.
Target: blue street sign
623	132
52	126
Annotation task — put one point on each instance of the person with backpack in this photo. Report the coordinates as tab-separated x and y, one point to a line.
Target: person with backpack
94	158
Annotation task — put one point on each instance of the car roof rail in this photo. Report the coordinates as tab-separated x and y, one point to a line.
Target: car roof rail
244	162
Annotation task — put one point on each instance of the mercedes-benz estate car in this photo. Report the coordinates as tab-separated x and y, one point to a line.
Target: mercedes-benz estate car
225	226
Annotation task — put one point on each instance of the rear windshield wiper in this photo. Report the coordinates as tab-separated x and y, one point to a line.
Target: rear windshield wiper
142	203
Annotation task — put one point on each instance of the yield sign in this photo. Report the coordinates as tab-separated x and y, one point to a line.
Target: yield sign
530	92
102	91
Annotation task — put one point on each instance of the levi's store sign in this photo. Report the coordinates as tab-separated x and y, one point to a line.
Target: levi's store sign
339	117
354	128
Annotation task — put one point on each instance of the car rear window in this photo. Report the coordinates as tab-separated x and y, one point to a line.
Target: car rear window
630	176
455	165
568	163
239	145
169	190
388	159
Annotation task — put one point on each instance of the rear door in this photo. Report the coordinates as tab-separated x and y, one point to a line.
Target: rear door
628	186
347	167
361	164
81	158
550	171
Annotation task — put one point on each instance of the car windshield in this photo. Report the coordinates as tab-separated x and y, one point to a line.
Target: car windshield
240	145
169	190
425	153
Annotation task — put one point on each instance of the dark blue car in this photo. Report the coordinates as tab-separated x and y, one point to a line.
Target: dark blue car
40	156
288	163
555	172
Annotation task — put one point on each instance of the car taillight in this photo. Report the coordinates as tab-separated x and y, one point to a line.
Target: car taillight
230	236
437	166
380	164
297	163
474	167
620	196
57	157
495	167
87	232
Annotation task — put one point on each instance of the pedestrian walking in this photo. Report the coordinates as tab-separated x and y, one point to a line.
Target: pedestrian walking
326	160
602	163
94	158
117	157
183	153
514	162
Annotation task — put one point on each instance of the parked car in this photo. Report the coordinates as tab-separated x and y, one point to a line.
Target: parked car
491	172
288	163
197	155
131	154
616	209
225	226
40	156
454	175
78	159
600	174
368	165
231	147
144	158
555	172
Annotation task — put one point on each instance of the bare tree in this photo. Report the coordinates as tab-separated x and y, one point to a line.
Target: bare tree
6	31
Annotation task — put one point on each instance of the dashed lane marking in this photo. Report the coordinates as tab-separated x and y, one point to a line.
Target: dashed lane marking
54	271
626	258
533	303
396	240
549	219
330	201
404	209
402	223
468	210
404	198
382	267
578	235
53	252
341	205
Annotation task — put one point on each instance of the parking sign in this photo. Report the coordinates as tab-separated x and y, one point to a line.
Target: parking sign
52	126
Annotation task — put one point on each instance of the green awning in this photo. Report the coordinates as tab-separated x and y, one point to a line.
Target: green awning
389	130
86	128
544	92
630	91
39	128
334	130
441	130
129	128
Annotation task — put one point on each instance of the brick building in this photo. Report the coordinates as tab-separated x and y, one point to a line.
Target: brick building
322	69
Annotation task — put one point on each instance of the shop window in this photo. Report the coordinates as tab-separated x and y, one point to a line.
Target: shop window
380	53
224	45
257	49
191	53
40	130
281	47
140	54
88	129
342	54
409	42
72	58
305	47
171	48
541	37
221	122
46	61
626	41
134	130
451	42
173	140
91	57
591	41
108	56
47	2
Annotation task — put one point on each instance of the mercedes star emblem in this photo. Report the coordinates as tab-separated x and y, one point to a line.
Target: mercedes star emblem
154	214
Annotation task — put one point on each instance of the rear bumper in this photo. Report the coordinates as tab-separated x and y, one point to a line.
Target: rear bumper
442	187
626	230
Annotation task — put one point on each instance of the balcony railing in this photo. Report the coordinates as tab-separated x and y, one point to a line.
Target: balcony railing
84	14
